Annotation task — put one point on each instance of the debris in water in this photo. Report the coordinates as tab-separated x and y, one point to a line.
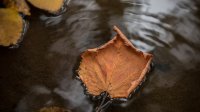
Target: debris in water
117	67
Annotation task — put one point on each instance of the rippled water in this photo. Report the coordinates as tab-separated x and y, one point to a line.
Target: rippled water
40	72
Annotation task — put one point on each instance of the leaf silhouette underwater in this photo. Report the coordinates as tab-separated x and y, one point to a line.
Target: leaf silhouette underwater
53	109
116	67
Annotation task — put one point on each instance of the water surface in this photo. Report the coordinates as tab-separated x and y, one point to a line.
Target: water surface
40	72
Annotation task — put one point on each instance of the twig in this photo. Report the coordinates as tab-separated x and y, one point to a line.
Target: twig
103	105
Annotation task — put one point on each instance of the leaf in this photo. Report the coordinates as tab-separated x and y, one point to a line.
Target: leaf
117	67
53	109
11	27
52	6
19	5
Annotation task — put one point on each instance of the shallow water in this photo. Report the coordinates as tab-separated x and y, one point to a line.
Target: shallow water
40	72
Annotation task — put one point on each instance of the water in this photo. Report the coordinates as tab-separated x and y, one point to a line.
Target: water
40	72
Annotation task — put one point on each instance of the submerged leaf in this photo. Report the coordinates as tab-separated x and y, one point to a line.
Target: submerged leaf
52	6
117	67
19	5
53	109
11	27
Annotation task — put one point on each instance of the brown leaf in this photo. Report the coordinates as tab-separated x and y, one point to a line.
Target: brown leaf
11	27
19	5
52	6
117	67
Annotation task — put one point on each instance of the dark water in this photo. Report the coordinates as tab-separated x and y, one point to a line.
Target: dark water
40	72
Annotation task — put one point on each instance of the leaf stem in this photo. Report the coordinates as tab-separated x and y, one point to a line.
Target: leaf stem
103	105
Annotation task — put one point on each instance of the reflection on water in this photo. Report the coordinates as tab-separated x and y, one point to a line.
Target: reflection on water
40	72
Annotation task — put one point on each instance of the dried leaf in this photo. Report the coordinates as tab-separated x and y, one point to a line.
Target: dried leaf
19	5
11	27
117	67
53	6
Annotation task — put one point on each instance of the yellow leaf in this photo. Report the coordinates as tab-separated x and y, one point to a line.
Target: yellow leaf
11	27
52	6
19	5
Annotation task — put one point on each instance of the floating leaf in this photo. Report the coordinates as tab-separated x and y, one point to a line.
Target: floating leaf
117	67
19	5
53	109
11	27
52	6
